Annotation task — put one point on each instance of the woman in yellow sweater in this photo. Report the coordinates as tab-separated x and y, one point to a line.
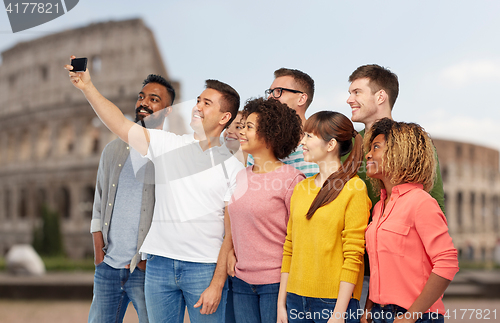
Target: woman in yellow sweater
322	269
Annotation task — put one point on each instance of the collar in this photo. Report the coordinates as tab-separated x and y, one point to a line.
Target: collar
400	189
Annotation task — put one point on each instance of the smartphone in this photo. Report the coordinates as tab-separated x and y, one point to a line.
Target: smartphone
79	64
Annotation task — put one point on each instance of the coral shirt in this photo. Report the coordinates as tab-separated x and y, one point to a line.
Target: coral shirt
405	243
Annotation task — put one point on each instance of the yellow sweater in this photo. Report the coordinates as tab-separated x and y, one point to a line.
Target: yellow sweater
320	252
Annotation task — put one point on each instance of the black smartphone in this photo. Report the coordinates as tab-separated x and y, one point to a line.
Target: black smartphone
79	64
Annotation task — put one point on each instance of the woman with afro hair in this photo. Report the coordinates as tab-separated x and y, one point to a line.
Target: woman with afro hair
412	257
322	269
259	208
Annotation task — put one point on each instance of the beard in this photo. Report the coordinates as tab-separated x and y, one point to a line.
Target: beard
152	121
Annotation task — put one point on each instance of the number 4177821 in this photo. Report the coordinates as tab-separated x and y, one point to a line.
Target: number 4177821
32	7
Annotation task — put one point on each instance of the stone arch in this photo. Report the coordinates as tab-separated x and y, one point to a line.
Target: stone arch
87	201
63	200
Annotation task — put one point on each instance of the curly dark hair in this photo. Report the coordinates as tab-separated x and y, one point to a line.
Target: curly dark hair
277	124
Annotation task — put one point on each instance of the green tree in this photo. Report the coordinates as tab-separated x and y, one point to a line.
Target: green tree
47	238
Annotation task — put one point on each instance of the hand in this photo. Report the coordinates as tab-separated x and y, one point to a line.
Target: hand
336	318
231	262
282	315
401	319
210	300
81	80
141	265
365	318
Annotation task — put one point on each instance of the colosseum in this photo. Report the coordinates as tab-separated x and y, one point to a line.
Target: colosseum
471	180
50	138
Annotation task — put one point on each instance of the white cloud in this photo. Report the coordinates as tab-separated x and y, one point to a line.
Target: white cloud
471	71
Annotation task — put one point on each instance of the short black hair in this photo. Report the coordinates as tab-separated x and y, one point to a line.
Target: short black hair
155	78
230	98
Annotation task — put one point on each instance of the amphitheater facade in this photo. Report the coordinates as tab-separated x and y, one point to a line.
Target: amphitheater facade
471	180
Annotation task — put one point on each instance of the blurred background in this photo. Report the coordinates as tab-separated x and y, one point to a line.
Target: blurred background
446	55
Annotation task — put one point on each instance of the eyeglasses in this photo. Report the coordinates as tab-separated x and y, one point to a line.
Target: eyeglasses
278	91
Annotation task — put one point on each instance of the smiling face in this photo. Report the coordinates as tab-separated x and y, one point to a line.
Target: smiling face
152	98
315	149
207	115
232	134
249	140
375	158
362	101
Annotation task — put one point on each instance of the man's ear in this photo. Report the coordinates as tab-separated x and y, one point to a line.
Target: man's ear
303	99
225	118
382	97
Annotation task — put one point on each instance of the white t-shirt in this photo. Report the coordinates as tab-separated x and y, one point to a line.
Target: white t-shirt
191	188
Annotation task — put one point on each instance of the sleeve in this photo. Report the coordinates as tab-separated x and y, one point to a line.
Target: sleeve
437	191
289	191
235	167
353	236
287	246
160	142
432	228
95	223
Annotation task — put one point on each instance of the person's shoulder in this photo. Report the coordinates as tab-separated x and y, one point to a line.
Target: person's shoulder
355	186
289	170
114	145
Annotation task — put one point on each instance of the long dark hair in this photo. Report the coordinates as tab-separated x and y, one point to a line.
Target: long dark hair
330	125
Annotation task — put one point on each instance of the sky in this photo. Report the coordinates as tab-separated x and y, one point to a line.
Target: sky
445	53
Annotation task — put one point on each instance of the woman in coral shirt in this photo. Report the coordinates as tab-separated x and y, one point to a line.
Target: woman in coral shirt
412	257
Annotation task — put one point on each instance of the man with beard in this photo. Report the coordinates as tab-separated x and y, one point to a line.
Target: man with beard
122	213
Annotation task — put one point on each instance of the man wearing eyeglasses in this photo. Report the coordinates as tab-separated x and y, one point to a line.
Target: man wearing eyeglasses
296	89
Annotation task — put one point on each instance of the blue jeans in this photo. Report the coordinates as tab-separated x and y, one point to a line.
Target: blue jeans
255	303
113	290
230	305
171	285
388	313
318	310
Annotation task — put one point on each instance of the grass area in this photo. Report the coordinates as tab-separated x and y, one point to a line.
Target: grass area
60	263
468	264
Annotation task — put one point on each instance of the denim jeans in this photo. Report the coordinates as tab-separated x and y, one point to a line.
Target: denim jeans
171	285
255	303
113	290
318	310
388	313
230	304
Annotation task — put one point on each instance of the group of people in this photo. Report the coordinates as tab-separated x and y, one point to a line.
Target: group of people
180	222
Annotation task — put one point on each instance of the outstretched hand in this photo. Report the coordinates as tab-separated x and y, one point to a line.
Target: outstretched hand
81	80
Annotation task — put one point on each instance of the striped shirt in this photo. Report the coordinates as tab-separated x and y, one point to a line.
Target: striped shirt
295	159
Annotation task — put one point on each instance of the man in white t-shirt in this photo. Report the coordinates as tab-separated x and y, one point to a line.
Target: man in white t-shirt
194	176
296	89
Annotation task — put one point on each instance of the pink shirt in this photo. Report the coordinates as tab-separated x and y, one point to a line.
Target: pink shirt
259	211
405	244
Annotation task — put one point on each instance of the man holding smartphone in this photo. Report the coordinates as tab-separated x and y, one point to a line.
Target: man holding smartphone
122	213
195	175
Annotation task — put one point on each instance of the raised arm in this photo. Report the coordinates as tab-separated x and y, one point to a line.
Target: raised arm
110	115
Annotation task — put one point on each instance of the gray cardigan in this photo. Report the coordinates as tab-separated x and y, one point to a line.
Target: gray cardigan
112	160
